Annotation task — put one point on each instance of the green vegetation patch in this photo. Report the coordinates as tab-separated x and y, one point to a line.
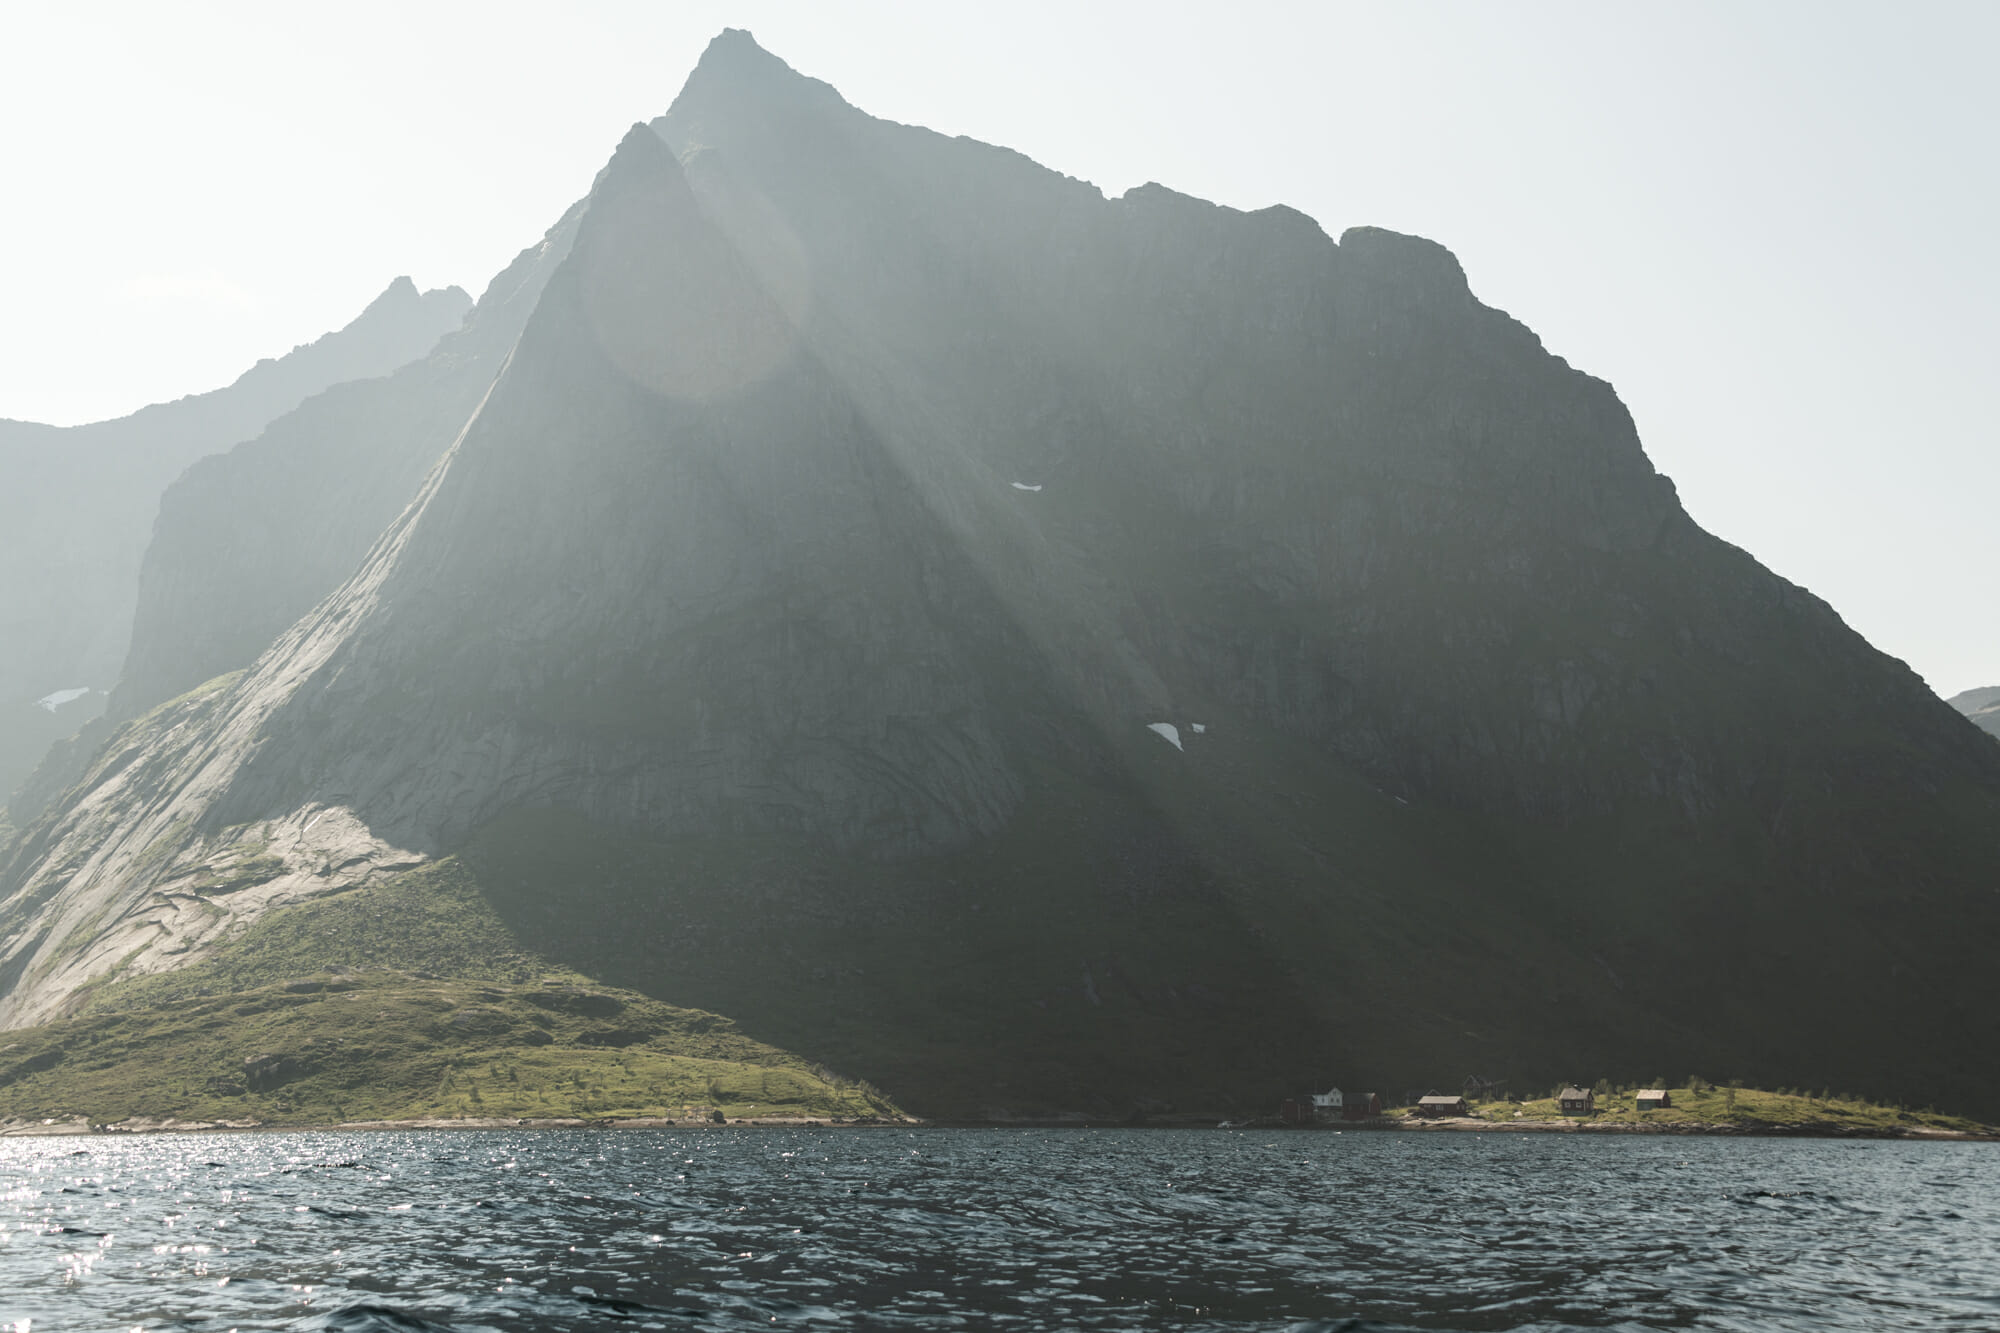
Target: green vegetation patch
405	999
1752	1110
384	1044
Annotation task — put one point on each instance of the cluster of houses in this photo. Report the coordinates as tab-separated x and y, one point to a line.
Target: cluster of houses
1320	1108
1309	1108
1574	1100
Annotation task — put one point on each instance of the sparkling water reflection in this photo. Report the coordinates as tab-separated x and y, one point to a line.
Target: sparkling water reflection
1020	1229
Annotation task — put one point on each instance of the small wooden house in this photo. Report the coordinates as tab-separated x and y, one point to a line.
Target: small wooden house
1327	1105
1655	1099
1437	1104
1360	1106
1577	1101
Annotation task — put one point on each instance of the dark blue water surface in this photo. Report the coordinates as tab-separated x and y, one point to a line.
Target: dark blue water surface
1011	1229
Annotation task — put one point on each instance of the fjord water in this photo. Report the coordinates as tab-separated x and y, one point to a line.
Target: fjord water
1023	1229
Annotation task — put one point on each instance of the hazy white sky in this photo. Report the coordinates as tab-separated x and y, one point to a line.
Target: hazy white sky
1773	226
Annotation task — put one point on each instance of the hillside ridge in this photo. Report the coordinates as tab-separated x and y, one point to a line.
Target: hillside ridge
1982	706
80	502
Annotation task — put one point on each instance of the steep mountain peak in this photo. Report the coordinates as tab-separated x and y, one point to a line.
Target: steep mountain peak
733	56
735	74
737	49
693	319
641	154
400	288
400	302
640	165
400	315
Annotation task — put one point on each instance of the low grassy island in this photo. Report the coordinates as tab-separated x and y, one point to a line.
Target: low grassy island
1703	1107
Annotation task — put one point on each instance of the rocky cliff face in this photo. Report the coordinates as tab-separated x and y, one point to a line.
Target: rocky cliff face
1982	706
79	503
1043	650
248	540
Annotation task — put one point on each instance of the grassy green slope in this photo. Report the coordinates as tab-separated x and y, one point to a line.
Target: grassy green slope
407	999
386	1045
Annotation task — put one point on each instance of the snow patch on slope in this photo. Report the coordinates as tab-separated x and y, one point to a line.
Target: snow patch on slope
51	702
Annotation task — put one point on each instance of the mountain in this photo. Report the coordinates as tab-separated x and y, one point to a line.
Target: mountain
79	503
1040	652
247	541
1982	706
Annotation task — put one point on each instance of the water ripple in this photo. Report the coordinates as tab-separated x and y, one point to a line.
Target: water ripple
734	1229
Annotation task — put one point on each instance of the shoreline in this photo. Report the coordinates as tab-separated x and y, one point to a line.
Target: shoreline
1473	1125
1697	1128
82	1127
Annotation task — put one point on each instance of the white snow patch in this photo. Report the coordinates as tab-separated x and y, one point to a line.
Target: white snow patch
1199	727
51	702
1024	486
1167	732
